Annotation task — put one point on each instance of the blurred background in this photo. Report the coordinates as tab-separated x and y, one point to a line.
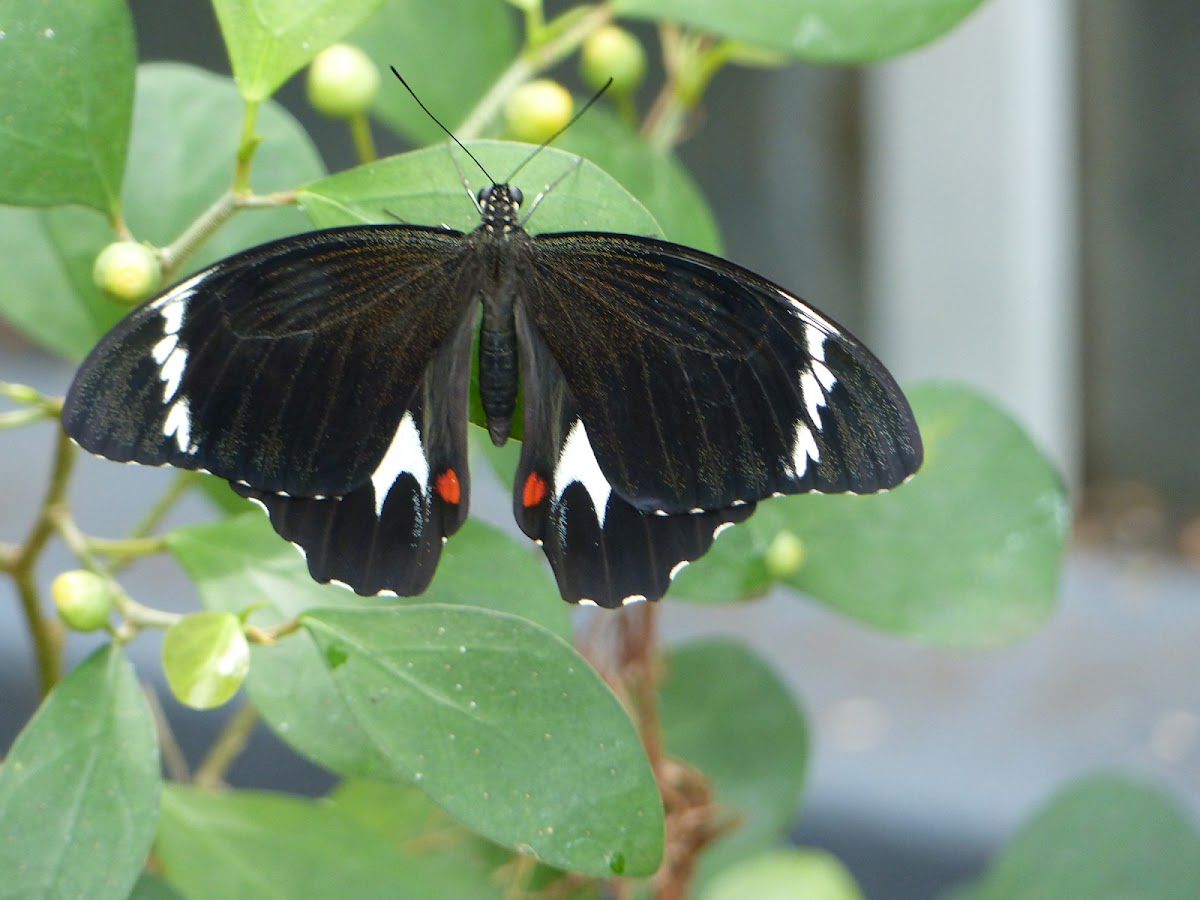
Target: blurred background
1010	207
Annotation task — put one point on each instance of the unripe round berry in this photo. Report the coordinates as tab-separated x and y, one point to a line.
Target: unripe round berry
83	599
612	52
538	109
342	82
785	555
127	271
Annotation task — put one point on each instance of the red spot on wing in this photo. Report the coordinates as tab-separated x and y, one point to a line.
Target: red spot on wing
447	486
534	491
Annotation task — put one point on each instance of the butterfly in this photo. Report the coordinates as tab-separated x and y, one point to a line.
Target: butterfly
326	377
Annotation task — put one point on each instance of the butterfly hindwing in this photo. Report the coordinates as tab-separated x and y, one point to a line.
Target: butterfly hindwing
703	384
603	550
387	533
274	367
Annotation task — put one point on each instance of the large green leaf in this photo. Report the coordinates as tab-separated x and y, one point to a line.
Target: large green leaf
67	72
1103	838
727	713
263	845
181	155
504	726
241	562
79	789
270	40
657	178
967	553
473	39
829	31
425	187
785	875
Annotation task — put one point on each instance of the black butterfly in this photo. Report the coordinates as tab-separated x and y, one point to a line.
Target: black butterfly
326	376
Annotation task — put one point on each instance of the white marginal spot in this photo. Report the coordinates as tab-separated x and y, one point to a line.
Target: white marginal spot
814	342
721	529
172	314
824	375
584	601
814	397
633	598
677	568
804	448
171	373
179	424
180	292
404	454
577	462
163	348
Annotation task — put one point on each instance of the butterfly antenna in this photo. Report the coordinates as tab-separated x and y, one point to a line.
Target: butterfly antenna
450	133
550	140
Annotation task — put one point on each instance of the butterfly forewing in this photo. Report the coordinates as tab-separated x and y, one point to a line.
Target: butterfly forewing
287	367
703	384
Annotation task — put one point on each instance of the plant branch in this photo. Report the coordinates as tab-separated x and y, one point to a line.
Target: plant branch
47	639
232	740
533	60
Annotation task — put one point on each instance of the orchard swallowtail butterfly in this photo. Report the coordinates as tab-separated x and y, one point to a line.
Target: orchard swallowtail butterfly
326	377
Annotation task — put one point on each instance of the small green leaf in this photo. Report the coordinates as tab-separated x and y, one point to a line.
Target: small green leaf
270	40
785	875
967	553
426	40
79	789
195	115
727	713
1104	838
67	71
504	726
425	188
252	845
205	658
826	31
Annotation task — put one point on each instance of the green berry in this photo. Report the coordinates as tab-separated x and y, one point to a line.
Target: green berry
342	82
84	599
537	110
612	52
785	555
127	271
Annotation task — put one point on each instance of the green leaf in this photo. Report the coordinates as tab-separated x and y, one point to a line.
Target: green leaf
264	845
270	40
185	136
205	658
425	188
658	179
241	562
785	875
505	727
67	71
1104	838
967	553
825	31
426	40
79	788
727	713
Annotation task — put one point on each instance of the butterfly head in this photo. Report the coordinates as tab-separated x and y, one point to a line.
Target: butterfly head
500	206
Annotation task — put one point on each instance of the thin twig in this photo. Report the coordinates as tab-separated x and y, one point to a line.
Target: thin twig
47	639
210	774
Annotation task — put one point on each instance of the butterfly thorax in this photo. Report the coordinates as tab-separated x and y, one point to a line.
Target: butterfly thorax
499	206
